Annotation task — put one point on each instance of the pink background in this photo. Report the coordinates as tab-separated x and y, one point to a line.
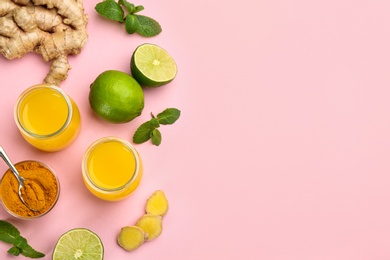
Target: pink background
282	150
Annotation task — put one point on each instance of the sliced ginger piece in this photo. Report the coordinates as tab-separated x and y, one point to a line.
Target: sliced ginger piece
151	225
131	237
157	204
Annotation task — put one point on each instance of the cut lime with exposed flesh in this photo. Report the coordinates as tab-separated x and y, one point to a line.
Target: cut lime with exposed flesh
79	244
152	66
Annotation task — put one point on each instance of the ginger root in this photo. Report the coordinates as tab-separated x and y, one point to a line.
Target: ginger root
151	225
52	28
157	204
131	237
148	227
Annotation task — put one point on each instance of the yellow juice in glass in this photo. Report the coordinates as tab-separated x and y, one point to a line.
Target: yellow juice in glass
47	118
112	168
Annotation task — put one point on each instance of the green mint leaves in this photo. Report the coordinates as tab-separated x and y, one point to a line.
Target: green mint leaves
111	10
149	129
134	23
11	235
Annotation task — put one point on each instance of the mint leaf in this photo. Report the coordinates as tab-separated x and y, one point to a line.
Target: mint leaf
21	242
111	10
148	27
131	24
156	137
138	8
154	122
168	116
11	235
129	6
143	133
149	129
8	232
143	25
14	251
28	251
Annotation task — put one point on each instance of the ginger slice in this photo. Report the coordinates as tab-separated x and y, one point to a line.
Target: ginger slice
131	237
157	204
151	225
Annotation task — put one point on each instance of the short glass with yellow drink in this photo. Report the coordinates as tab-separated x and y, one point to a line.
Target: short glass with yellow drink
47	118
112	168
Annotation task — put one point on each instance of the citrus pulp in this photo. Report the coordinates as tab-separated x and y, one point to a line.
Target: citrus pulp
80	244
152	66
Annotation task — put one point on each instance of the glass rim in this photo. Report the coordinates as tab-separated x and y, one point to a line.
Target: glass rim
102	141
30	90
55	200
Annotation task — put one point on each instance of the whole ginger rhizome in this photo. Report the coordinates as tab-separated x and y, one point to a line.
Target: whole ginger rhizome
52	28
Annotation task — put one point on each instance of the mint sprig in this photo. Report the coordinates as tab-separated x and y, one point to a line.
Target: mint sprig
11	235
149	129
134	23
111	10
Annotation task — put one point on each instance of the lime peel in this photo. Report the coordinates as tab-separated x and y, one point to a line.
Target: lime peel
116	97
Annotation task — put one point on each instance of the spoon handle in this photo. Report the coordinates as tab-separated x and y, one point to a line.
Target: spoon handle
10	164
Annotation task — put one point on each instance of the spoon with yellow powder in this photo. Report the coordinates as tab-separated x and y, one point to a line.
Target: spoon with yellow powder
30	192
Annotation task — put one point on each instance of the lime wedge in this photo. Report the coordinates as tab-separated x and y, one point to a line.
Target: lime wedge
80	244
152	66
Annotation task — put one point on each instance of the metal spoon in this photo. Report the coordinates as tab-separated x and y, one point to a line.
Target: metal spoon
21	181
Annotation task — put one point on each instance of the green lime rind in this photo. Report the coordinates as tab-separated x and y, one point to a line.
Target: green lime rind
116	97
152	66
80	244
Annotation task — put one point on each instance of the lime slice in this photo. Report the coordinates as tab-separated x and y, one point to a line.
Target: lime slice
80	244
152	66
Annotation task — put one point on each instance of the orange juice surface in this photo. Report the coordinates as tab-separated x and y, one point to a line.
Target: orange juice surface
114	170
47	118
43	112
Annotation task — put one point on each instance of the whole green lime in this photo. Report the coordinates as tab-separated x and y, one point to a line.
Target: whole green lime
116	97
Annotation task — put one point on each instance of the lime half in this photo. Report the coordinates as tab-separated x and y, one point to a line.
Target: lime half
152	66
80	244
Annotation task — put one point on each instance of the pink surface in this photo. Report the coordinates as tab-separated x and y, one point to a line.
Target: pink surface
282	148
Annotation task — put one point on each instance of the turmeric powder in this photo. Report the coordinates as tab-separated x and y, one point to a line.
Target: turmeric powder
38	173
33	195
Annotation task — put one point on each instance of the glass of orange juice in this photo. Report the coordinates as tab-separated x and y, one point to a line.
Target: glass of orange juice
112	168
47	118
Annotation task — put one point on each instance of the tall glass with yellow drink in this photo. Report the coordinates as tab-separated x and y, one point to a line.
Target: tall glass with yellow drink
112	168
47	118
